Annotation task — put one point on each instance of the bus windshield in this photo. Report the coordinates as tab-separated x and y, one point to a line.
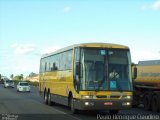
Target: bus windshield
105	69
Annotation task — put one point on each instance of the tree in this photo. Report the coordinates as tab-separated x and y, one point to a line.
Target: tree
32	74
12	76
21	76
17	77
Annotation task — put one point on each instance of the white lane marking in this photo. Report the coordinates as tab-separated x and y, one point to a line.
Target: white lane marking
59	111
67	114
64	113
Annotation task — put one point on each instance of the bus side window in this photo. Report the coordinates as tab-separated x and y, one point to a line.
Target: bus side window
45	67
54	66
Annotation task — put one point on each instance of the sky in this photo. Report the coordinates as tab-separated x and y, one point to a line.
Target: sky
30	28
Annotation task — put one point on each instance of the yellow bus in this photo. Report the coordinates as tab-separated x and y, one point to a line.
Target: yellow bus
88	76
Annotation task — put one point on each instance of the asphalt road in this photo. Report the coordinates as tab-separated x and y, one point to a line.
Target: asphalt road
30	106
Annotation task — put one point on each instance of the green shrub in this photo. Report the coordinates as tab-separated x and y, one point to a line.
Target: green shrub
30	83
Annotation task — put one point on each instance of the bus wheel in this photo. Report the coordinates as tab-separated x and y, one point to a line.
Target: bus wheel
154	104
74	111
136	101
46	98
147	102
49	98
113	112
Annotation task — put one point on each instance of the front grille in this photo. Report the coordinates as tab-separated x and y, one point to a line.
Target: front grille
115	96
101	96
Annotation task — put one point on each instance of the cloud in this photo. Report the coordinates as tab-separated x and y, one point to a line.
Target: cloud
50	49
155	5
23	48
141	55
67	9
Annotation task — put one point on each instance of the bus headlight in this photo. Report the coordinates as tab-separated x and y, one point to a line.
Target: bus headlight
126	103
86	103
126	97
89	104
88	97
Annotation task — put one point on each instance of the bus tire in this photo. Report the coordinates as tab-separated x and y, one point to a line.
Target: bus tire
44	93
158	95
154	105
146	102
135	103
74	111
113	112
46	98
50	102
49	98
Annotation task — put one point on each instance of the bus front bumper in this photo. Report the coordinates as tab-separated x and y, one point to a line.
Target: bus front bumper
92	104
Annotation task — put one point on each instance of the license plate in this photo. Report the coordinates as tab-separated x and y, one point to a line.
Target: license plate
108	103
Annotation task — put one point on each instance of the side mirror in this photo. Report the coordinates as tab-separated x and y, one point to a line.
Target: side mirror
135	73
77	76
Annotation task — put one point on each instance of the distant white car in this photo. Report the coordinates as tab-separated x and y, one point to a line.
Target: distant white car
8	83
23	86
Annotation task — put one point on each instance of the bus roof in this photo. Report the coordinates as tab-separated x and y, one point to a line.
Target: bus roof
91	45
